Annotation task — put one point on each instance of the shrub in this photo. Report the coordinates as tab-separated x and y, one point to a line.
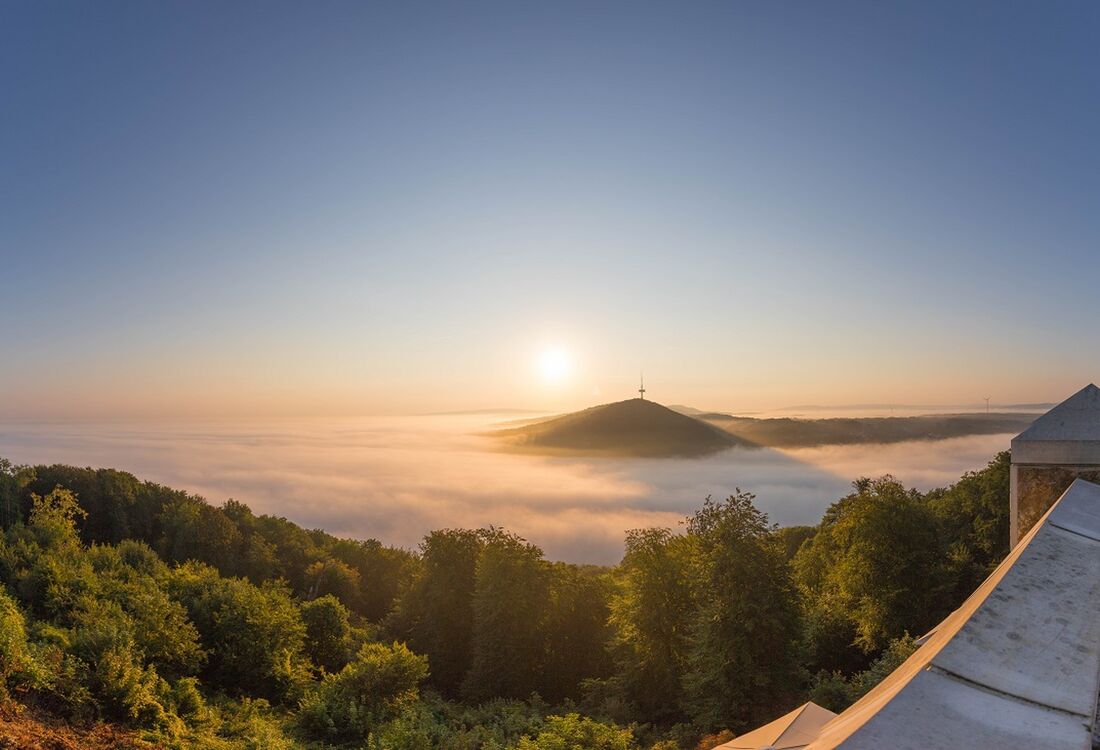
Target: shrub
371	690
18	665
574	732
254	634
251	725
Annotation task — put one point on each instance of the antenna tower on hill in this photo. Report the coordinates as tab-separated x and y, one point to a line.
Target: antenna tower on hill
641	386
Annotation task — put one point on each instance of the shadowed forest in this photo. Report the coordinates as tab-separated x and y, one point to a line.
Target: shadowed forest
188	625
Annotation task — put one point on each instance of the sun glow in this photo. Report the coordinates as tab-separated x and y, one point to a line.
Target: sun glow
554	364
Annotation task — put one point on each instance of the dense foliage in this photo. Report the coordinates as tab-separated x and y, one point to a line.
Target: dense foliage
214	628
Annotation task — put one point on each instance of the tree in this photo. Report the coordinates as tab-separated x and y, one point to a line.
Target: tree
327	632
53	518
437	613
576	630
835	692
193	530
875	565
793	537
651	613
254	633
742	658
13	479
973	519
510	606
385	573
107	496
163	633
335	578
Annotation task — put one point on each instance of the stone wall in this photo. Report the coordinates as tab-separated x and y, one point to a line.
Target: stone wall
1038	487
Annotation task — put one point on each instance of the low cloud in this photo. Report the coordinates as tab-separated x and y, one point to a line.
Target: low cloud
395	479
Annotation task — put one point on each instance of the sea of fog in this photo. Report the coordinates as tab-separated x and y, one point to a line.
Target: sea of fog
396	478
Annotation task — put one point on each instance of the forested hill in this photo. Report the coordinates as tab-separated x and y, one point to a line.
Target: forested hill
788	432
635	427
213	628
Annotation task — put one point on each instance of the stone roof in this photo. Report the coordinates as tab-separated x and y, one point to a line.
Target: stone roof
1067	434
1016	667
1076	418
789	732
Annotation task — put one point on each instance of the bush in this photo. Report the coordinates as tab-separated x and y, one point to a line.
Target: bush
131	692
18	665
251	725
103	641
371	690
574	732
254	634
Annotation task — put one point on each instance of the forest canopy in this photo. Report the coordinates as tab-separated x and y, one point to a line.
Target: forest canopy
201	626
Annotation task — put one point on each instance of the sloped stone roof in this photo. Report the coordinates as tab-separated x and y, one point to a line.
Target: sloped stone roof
1076	418
791	731
1068	434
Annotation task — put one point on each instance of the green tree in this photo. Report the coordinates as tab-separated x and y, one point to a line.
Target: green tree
254	634
875	566
53	518
836	693
742	656
510	608
330	576
13	480
973	518
576	630
194	530
437	613
793	537
327	632
385	573
651	614
108	498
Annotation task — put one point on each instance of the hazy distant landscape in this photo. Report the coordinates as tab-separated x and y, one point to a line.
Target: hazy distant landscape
396	478
637	427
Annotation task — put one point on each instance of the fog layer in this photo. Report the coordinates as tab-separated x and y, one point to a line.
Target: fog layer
395	479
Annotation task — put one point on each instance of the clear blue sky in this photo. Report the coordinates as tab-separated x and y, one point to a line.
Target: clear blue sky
366	207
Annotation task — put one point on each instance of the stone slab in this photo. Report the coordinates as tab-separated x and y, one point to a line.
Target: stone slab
1016	666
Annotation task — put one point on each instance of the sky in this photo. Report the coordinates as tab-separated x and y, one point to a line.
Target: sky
331	209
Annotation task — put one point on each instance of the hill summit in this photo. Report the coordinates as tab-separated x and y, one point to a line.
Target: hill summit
635	427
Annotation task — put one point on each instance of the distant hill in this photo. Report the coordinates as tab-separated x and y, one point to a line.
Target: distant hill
626	428
801	433
646	428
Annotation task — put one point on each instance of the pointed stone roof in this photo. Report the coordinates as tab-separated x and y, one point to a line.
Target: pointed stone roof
1067	434
1076	418
791	731
1016	667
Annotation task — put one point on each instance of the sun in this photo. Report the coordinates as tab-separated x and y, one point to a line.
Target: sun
554	364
